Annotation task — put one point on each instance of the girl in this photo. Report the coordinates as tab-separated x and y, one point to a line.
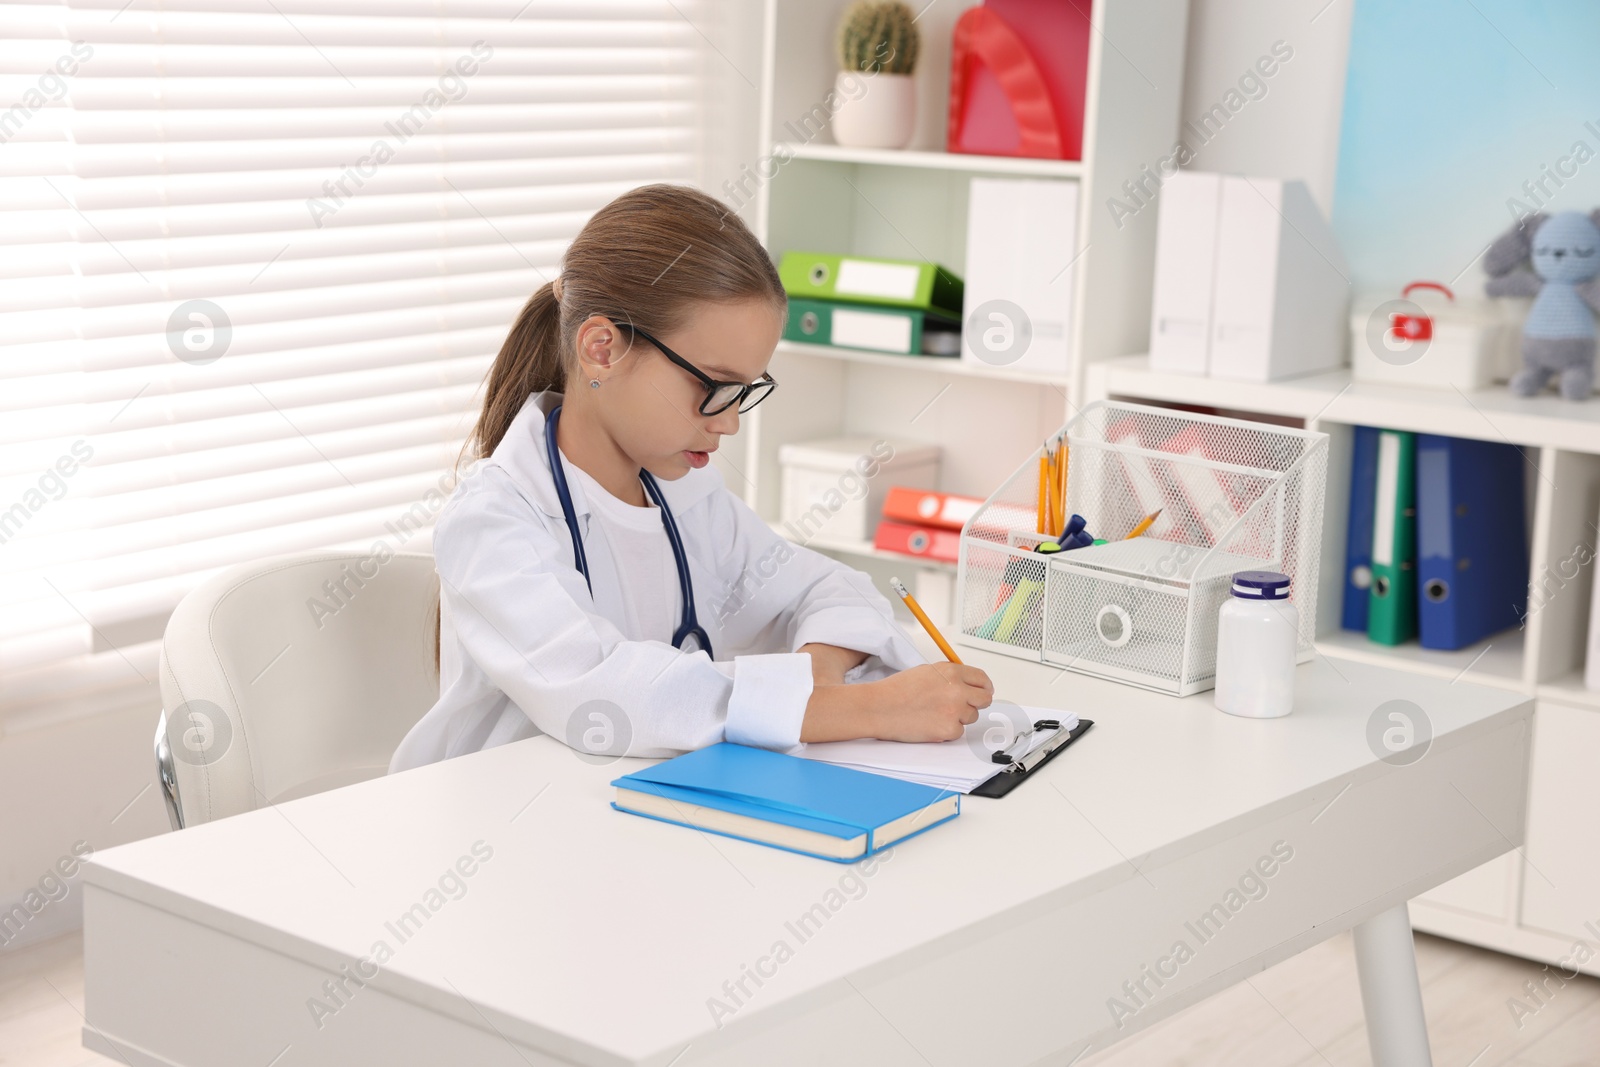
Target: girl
598	582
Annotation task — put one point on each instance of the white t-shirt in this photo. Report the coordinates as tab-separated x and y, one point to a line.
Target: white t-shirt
644	561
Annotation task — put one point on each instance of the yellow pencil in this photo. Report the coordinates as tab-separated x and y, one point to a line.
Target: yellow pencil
1061	489
1044	488
1052	518
1144	524
927	623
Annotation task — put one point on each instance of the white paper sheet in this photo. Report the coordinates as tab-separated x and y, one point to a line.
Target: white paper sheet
961	765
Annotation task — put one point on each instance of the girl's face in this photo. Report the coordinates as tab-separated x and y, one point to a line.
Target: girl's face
650	406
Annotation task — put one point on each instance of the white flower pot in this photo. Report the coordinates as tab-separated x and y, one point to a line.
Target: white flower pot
875	110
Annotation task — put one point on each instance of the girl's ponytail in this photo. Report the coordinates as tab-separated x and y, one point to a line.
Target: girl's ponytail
530	361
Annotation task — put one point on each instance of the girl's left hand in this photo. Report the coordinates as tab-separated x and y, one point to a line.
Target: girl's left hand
830	662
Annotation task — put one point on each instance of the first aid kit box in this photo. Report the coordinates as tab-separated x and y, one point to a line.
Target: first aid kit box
1428	339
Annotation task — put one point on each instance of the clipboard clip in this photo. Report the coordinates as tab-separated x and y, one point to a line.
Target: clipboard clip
1017	757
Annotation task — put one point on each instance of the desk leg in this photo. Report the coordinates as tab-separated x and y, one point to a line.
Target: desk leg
1386	960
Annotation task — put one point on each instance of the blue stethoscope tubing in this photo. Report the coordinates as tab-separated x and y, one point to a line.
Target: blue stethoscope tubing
690	626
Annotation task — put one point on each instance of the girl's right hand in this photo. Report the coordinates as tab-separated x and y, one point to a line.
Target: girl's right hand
930	702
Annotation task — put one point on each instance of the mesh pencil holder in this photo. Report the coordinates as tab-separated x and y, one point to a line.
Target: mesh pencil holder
1233	496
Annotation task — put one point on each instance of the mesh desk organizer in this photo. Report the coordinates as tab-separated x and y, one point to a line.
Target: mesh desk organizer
1234	496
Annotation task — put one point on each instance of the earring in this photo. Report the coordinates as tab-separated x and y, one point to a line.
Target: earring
594	383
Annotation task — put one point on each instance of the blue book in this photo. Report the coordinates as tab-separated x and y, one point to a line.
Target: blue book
817	809
1358	532
1472	550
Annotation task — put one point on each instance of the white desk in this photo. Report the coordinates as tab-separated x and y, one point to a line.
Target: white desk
594	937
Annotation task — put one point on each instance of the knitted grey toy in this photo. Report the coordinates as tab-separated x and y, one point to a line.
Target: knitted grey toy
1558	337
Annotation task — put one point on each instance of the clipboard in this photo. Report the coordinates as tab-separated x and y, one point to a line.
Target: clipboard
1013	773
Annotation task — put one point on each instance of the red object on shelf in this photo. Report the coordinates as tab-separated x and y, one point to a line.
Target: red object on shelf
925	541
1404	327
1018	79
924	507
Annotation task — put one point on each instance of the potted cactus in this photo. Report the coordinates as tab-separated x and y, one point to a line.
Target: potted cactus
876	95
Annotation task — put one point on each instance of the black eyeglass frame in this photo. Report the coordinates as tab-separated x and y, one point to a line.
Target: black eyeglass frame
767	383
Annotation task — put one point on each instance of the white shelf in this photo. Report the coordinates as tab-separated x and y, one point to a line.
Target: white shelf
889	157
927	364
865	549
913	204
1491	414
1495	661
1571	691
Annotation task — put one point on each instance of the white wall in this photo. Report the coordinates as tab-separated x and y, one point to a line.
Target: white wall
89	780
729	146
1293	130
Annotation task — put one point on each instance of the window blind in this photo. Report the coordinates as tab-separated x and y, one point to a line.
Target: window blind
256	257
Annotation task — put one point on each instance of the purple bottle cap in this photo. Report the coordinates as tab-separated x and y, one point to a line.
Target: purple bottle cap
1261	585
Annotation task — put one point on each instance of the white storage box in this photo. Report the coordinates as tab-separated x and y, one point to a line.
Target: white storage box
1467	342
1018	305
834	489
1234	496
1249	283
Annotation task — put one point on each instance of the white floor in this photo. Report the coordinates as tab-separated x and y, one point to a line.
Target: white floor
1305	1011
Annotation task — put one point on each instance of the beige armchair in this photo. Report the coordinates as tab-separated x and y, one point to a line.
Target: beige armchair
291	676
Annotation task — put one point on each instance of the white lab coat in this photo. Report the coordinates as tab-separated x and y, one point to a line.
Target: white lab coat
524	649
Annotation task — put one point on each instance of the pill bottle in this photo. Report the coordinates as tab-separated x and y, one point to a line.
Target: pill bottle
1258	634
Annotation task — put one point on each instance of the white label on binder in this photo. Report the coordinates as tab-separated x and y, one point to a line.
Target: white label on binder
866	329
859	277
960	510
1384	512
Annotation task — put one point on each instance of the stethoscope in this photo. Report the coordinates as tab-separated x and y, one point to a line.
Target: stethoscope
690	627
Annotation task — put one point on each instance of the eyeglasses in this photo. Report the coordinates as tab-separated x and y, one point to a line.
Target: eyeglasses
720	396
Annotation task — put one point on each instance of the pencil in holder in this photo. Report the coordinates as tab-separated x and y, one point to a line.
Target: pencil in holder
1231	495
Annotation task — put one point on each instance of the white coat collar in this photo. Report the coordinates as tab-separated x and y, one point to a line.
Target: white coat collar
521	452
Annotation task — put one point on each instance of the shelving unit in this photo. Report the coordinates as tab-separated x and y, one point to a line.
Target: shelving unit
1569	689
1040	168
923	364
867	550
1497	660
1492	414
1532	902
912	204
